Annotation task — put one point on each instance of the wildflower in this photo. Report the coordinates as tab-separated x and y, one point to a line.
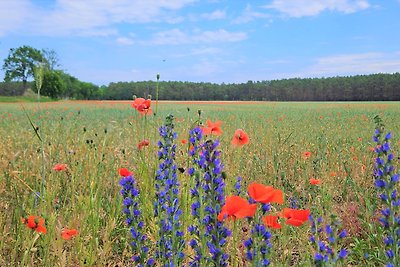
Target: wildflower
327	243
265	194
209	189
271	221
60	167
142	105
240	138
314	181
34	222
143	143
124	172
170	243
306	154
134	219
386	181
183	141
237	207
212	128
66	234
295	217
258	245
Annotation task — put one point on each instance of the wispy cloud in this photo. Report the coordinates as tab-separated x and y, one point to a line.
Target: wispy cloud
12	14
249	14
302	8
217	14
89	17
177	37
351	64
125	41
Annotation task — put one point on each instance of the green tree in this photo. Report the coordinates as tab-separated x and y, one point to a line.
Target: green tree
53	85
21	62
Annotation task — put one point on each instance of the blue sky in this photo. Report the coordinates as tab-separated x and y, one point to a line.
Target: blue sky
103	41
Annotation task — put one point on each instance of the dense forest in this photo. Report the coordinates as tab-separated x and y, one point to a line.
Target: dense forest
355	88
374	87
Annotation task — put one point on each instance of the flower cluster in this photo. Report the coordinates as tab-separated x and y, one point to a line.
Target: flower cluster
209	234
134	220
170	243
386	181
142	105
326	240
34	222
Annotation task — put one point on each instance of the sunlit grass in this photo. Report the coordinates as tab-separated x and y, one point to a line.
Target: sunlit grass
96	138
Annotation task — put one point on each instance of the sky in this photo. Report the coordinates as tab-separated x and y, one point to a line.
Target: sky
218	41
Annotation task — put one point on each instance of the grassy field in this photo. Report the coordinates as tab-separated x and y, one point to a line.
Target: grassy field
96	138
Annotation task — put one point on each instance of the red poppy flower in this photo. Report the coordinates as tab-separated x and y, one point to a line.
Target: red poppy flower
236	207
142	105
240	138
66	234
143	143
212	128
124	172
295	217
265	194
60	167
314	181
306	154
183	141
271	221
34	222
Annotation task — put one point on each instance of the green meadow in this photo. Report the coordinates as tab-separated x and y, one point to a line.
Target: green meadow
96	138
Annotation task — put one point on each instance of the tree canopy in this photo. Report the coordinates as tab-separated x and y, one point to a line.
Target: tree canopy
21	62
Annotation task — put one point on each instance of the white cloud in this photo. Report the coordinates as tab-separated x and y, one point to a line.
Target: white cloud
249	15
13	14
125	41
351	64
177	37
89	17
302	8
217	14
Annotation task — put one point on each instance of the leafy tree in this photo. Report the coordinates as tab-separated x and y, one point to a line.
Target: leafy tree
20	63
53	85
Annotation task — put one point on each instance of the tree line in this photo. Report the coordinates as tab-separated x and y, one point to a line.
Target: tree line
374	87
24	62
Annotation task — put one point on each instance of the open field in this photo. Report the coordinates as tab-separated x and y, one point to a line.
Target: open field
96	138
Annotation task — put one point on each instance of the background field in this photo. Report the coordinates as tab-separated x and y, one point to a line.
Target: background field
97	138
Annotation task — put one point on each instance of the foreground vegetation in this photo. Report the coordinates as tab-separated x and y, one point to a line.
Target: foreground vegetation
289	143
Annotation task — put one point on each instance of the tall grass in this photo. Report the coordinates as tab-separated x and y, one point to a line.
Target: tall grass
95	139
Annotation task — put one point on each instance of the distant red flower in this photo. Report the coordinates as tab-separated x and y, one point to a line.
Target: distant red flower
271	221
212	128
314	181
60	167
143	143
142	105
235	208
295	217
306	154
124	172
66	234
265	194
183	141
34	222
240	138
332	174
